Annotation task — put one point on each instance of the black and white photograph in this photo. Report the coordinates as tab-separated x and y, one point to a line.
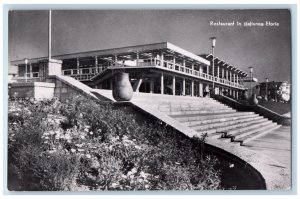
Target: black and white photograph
149	100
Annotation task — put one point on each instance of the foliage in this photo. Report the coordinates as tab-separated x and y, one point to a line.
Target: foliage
82	145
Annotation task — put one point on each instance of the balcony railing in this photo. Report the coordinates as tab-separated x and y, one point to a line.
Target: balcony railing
84	74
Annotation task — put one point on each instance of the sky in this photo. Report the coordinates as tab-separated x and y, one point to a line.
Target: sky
266	48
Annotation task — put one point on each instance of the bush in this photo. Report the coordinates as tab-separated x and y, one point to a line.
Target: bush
82	145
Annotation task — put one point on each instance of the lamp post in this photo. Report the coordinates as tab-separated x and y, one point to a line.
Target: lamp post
213	44
266	97
251	71
26	62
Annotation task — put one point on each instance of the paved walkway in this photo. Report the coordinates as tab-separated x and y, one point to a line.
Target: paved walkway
276	144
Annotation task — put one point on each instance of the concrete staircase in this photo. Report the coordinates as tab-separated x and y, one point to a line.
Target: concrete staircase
207	116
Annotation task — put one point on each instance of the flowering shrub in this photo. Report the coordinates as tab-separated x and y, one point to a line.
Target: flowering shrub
82	145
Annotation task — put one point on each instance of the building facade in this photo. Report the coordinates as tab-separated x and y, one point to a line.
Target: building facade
153	68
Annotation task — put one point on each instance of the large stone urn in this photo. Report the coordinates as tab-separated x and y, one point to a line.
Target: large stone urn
122	89
244	95
253	99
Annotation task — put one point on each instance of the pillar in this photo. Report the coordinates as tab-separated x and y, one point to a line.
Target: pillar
96	64
137	59
200	89
116	60
218	72
200	69
227	77
151	86
183	86
174	85
237	78
77	64
223	73
174	62
162	83
192	90
233	75
162	59
30	70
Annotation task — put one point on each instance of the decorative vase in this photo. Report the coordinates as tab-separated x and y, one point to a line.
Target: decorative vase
253	100
122	89
244	96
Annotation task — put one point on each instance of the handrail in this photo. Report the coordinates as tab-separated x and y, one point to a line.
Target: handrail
275	117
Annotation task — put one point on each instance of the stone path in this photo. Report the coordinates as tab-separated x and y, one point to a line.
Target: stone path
276	144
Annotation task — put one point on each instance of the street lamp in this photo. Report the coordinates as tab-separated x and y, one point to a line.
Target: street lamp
266	97
26	62
251	71
213	44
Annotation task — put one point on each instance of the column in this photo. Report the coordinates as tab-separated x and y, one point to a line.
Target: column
193	67
162	83
200	69
207	70
233	75
233	94
237	78
230	76
218	69
192	90
96	64
200	89
174	85
227	77
174	62
137	59
116	59
77	64
162	59
183	86
30	70
151	86
223	73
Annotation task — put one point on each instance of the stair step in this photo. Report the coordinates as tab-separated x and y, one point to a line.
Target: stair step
198	108
225	123
230	127
195	117
258	134
241	125
251	130
223	119
239	131
216	135
202	112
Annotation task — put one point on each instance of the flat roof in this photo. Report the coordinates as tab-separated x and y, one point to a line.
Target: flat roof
171	48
